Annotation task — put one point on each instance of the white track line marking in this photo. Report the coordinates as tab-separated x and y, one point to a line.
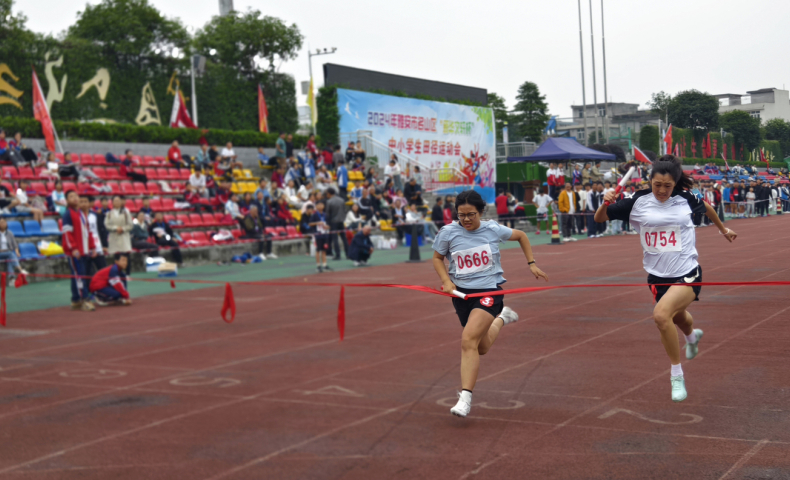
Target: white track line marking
745	458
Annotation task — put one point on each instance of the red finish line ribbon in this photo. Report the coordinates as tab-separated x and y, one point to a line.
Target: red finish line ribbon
341	313
2	298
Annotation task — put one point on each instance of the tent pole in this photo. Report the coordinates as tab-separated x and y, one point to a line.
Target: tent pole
581	54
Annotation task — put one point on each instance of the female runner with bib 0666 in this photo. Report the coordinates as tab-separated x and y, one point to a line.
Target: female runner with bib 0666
662	217
472	246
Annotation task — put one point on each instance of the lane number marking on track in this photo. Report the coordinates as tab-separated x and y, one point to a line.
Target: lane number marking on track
450	402
331	390
201	381
692	418
94	373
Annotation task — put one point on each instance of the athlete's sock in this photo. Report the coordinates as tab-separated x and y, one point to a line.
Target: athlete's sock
466	396
692	338
677	371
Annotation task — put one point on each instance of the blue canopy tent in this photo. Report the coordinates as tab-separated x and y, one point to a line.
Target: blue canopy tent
563	149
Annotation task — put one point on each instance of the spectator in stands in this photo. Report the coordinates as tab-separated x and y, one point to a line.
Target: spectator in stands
265	160
232	208
8	153
311	146
366	204
350	150
354	218
77	245
278	177
361	247
93	262
337	156
309	167
213	154
119	225
108	286
289	146
245	202
291	196
294	173
24	206
164	237
7	200
568	199
9	251
429	228
359	152
264	211
254	230
322	180
372	176
101	212
202	159
227	160
127	168
28	154
263	187
392	171
70	168
139	236
336	215
342	179
58	198
284	214
356	192
437	214
413	193
174	156
198	183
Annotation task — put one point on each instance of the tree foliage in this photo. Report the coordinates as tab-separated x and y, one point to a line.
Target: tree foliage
648	138
618	151
694	109
779	129
659	103
497	103
242	40
743	126
531	112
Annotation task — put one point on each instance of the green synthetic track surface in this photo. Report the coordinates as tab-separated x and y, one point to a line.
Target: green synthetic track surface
42	295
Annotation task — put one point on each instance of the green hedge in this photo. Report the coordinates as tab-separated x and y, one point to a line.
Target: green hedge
648	138
31	128
679	134
720	162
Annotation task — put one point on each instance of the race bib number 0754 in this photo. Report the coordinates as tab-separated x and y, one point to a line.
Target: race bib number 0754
661	239
473	260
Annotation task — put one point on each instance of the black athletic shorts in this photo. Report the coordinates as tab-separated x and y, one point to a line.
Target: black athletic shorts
542	216
493	304
4	202
323	244
694	276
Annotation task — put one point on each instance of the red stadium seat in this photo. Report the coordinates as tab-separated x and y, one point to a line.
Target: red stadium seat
160	160
139	188
116	188
156	205
151	173
237	232
10	173
209	221
153	188
292	233
202	238
130	205
222	219
69	186
168	218
137	160
39	188
184	174
100	172
98	159
127	188
86	158
196	220
50	187
187	240
97	204
138	204
270	231
112	173
184	219
59	156
148	160
27	173
168	204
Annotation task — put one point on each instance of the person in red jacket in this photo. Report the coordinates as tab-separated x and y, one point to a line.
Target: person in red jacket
174	156
77	245
502	210
108	285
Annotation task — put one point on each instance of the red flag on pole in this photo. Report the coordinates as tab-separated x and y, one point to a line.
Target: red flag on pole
677	150
263	112
724	156
668	139
179	116
708	147
640	156
41	113
763	158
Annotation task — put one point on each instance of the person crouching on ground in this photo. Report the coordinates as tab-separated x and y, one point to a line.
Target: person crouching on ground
361	247
108	286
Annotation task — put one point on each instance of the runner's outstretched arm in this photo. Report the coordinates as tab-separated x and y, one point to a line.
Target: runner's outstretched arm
526	247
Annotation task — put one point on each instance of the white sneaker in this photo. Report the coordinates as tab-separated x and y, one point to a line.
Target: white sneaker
464	405
508	315
572	239
356	264
566	239
23	271
271	255
262	256
100	302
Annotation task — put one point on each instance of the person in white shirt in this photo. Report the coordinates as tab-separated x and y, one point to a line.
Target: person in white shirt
232	208
98	262
304	192
198	182
393	171
322	179
290	194
542	202
429	228
228	158
582	207
24	205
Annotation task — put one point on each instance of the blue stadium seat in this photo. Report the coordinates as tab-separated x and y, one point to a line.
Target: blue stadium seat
50	227
33	229
16	229
28	251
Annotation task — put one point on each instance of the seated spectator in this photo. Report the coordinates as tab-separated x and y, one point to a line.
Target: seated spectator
289	146
245	203
290	194
372	176
198	183
323	180
304	192
70	168
318	227
309	167
7	200
354	218
9	251
8	153
24	205
264	159
356	192
429	228
278	177
223	193
294	173
393	172
195	200
357	165
311	200
413	193
337	155
284	213
139	235
264	212
227	160
108	285
146	209
175	158
28	154
254	230
127	168
232	208
350	151
361	247
263	187
366	205
202	160
311	146
213	154
164	237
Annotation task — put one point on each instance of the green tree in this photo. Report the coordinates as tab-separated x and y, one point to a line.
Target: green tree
241	40
779	129
129	30
530	112
659	103
743	126
648	138
497	103
694	109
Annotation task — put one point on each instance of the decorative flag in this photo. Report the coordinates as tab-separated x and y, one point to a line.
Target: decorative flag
661	145
179	116
708	147
263	112
668	139
763	157
41	113
313	106
677	150
724	156
640	156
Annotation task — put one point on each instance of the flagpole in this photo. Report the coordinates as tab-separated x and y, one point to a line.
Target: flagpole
194	96
595	88
605	92
581	54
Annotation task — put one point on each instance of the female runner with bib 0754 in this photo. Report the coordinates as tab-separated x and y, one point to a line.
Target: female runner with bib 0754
662	217
473	249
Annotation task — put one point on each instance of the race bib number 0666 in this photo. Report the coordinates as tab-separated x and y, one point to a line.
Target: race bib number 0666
473	260
661	239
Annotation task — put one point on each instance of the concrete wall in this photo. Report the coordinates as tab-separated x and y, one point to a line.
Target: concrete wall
247	155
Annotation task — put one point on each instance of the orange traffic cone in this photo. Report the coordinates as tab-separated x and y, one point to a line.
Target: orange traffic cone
779	206
555	232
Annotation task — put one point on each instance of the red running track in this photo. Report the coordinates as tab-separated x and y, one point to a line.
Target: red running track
579	388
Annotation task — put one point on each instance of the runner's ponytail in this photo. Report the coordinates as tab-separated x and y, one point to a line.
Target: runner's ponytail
672	166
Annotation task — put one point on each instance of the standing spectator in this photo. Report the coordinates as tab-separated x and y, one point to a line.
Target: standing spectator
139	236
342	179
542	202
77	245
361	247
278	177
591	204
437	214
101	213
327	154
280	147
289	146
311	146
551	180
126	168
309	167
336	214
577	175
581	199
501	209
567	204
58	198
586	174
254	230
595	174
337	156
450	215
202	159
93	262
174	156
294	173
119	225
393	171
164	237
24	205
750	198
413	193
319	227
350	151
109	284
9	251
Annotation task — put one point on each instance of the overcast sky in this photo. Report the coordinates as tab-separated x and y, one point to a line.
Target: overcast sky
718	46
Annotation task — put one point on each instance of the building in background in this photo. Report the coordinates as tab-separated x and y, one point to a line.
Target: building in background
305	127
622	116
765	104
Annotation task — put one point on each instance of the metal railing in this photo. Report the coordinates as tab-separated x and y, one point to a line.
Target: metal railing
515	149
